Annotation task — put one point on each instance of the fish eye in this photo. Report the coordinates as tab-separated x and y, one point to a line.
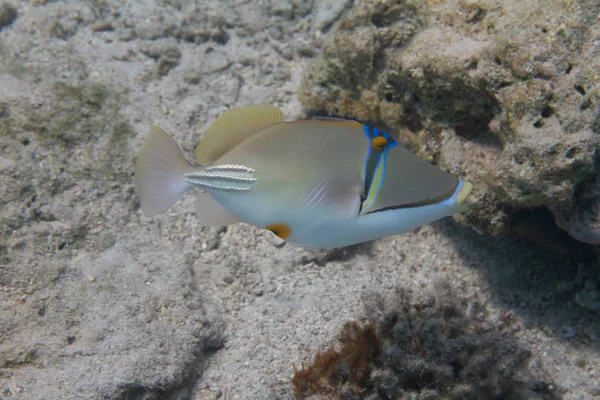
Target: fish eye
281	230
379	143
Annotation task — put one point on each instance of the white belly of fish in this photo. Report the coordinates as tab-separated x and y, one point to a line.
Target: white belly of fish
371	226
316	229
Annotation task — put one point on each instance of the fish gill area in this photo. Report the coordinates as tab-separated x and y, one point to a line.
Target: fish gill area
97	301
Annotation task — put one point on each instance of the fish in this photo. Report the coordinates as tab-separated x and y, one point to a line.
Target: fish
320	183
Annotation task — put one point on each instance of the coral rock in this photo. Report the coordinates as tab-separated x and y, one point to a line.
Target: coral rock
516	114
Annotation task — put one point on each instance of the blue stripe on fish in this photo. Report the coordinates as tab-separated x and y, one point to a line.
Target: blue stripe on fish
375	165
385	156
372	165
391	142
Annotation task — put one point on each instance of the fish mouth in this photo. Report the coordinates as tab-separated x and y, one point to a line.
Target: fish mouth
463	194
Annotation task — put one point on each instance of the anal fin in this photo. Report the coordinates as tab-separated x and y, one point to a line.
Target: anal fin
210	213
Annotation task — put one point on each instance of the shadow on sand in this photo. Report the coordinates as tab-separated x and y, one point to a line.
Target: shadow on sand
523	276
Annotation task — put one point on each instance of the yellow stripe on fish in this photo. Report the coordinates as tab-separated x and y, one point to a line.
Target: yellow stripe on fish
380	145
320	183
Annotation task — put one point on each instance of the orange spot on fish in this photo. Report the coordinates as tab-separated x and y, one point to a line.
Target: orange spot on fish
379	144
281	230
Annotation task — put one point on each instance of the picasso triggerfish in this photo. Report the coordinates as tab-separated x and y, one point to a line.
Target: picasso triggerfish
318	183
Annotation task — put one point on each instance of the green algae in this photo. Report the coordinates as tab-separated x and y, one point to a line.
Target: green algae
75	114
83	115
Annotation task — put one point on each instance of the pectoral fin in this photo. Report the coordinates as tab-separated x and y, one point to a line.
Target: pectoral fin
336	197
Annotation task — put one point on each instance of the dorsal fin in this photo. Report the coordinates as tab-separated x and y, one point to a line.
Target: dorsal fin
232	127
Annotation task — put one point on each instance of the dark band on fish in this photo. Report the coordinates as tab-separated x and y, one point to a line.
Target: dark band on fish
370	162
426	202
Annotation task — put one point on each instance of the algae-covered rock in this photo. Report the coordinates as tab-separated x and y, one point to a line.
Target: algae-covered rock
8	14
426	346
502	93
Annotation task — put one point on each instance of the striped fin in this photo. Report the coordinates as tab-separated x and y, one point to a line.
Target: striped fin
234	126
227	178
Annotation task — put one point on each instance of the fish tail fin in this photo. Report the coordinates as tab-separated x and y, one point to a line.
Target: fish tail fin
462	194
159	173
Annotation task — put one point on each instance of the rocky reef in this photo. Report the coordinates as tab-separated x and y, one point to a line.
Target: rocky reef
503	93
